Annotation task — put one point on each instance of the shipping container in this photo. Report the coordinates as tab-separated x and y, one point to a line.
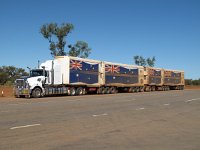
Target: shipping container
123	75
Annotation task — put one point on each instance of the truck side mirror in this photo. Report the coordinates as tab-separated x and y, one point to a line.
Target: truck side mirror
43	67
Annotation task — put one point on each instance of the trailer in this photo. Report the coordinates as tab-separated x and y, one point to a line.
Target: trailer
124	77
159	79
153	79
173	79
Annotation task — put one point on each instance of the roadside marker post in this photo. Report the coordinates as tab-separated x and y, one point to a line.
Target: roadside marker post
2	93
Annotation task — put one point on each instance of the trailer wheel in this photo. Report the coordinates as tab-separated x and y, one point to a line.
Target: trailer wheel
37	93
137	89
72	91
79	91
113	90
131	90
168	88
106	90
150	88
153	88
141	89
101	90
147	89
84	91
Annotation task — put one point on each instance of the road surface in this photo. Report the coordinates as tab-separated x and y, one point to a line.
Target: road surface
136	121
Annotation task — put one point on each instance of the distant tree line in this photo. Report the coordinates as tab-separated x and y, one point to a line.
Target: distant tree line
192	82
8	74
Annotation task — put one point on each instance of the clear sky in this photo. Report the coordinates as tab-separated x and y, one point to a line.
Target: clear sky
116	30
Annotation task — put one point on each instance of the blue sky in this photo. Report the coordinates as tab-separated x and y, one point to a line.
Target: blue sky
116	30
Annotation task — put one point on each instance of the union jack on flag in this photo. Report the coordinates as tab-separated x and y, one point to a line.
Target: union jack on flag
75	64
112	68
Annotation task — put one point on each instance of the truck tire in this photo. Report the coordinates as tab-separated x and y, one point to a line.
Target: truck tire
131	90
79	91
136	89
107	90
84	91
72	91
37	93
153	88
101	90
113	90
141	89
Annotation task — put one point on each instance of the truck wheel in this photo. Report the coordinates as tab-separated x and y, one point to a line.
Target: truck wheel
84	91
72	91
168	88
101	90
79	91
113	90
147	89
153	88
37	93
107	90
141	89
136	89
131	90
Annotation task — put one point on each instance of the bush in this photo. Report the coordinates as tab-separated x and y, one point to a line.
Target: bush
192	82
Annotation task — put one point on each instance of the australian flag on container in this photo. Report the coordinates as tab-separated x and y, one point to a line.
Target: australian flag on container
154	76
120	74
176	75
172	77
83	72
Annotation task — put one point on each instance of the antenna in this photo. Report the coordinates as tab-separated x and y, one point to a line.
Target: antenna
38	64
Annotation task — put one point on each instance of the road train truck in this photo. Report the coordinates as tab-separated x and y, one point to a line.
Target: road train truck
68	75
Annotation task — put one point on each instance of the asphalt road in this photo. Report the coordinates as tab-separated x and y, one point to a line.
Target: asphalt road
141	121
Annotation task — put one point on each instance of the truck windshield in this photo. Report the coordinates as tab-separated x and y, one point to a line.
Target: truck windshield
37	72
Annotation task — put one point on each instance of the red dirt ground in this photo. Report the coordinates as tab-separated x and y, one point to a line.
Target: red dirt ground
8	90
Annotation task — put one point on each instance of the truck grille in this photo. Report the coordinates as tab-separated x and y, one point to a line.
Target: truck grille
20	83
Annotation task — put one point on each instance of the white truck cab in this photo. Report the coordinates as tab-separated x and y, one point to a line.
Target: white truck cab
33	85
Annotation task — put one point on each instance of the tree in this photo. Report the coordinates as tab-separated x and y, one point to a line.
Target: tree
151	61
10	74
136	59
80	49
188	81
140	61
56	36
192	82
3	78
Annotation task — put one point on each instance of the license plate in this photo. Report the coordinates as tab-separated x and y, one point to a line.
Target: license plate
25	92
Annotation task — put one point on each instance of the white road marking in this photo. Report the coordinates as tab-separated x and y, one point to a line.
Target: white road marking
140	108
195	99
26	126
19	104
100	115
166	104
